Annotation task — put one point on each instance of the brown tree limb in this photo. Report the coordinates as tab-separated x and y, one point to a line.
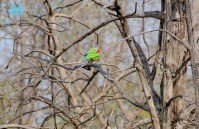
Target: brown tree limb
17	126
142	74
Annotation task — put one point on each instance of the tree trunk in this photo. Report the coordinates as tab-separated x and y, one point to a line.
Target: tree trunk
194	59
175	54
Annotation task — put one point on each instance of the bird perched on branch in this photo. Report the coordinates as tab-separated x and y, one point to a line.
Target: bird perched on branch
92	54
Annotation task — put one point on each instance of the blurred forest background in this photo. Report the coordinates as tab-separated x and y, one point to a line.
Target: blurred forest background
143	78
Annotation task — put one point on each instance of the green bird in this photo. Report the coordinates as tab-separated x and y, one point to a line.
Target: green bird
92	54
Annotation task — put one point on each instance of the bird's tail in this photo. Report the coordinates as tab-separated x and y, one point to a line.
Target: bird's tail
85	61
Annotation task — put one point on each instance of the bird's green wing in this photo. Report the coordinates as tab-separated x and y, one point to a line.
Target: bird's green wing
92	54
92	50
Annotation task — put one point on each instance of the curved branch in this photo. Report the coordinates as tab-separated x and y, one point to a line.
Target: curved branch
68	5
119	87
16	126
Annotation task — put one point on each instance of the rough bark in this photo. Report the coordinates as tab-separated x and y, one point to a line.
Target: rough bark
174	56
194	53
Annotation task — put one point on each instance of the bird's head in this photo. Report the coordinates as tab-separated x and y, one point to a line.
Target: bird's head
98	50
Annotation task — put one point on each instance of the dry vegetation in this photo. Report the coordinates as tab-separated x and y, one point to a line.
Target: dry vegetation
143	78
